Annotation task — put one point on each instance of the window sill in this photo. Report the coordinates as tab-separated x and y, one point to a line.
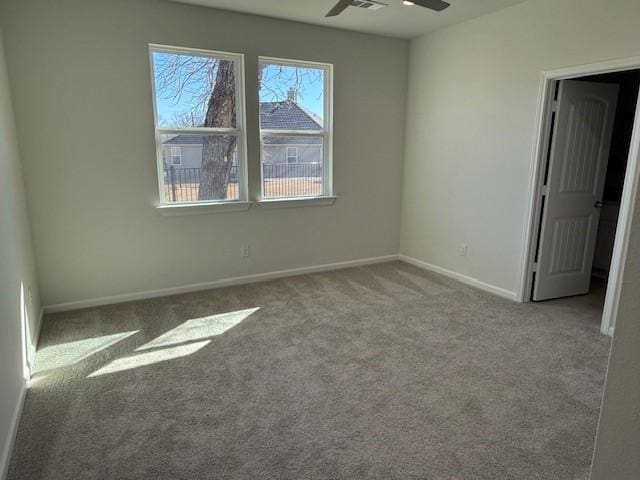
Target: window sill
297	202
202	208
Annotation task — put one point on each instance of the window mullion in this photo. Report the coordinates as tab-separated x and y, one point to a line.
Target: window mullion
292	133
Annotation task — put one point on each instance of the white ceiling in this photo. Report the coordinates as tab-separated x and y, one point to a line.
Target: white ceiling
395	20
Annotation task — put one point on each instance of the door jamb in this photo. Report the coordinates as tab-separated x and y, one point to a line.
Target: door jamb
536	180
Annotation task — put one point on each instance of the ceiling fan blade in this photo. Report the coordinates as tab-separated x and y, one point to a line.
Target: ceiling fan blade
437	5
338	8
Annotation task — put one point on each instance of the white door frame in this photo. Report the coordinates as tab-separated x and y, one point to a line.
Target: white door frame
536	180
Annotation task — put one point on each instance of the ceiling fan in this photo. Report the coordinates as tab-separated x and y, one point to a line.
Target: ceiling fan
342	5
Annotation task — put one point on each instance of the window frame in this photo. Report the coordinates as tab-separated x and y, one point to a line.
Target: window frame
240	130
326	133
295	156
176	148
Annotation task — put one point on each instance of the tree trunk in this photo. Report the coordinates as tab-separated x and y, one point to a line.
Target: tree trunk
218	151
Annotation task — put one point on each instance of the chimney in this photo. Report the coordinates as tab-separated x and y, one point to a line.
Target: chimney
292	95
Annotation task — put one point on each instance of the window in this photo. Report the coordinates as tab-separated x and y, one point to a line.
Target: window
176	156
292	154
199	103
295	108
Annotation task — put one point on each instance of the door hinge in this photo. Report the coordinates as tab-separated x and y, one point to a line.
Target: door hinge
545	190
554	106
534	269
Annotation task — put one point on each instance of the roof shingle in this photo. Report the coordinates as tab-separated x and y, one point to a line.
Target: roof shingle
287	116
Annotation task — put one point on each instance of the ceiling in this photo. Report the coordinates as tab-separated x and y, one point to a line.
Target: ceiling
395	20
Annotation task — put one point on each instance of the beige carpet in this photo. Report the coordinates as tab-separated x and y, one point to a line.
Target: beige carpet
383	372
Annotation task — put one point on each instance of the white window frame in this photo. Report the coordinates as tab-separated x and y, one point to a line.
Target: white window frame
294	155
239	131
326	133
176	148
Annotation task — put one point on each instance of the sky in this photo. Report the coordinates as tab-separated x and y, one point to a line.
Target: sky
277	80
190	77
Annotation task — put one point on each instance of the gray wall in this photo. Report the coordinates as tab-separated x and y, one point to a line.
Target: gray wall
306	153
16	270
81	79
191	156
472	100
617	453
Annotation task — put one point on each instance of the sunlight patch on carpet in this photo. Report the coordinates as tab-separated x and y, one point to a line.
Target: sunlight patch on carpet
150	358
70	353
199	328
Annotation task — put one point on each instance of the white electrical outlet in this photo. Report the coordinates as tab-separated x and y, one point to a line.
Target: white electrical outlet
464	250
244	251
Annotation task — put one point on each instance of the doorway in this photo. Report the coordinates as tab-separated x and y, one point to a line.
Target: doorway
584	181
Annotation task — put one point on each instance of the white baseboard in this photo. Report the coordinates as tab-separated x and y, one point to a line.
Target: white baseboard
474	282
9	442
226	282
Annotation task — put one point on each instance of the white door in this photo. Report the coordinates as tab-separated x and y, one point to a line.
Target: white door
585	113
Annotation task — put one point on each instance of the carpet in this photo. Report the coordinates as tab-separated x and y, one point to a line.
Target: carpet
378	372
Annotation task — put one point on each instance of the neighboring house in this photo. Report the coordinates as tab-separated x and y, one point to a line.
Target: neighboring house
289	115
185	151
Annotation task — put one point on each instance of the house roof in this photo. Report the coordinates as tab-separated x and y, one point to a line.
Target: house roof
287	116
273	116
184	140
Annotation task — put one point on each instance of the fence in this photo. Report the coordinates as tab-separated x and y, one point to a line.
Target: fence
182	184
279	180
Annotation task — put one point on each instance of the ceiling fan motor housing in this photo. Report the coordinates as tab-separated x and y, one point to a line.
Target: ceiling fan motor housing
368	4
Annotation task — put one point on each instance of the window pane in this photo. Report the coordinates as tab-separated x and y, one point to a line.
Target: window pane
292	154
284	178
176	156
194	90
291	97
208	168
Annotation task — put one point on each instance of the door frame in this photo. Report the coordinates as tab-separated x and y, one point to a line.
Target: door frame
542	136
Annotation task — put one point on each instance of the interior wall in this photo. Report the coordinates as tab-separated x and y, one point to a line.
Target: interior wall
17	273
618	442
82	95
472	103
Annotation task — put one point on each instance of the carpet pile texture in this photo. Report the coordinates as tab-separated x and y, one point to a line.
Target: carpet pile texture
378	372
